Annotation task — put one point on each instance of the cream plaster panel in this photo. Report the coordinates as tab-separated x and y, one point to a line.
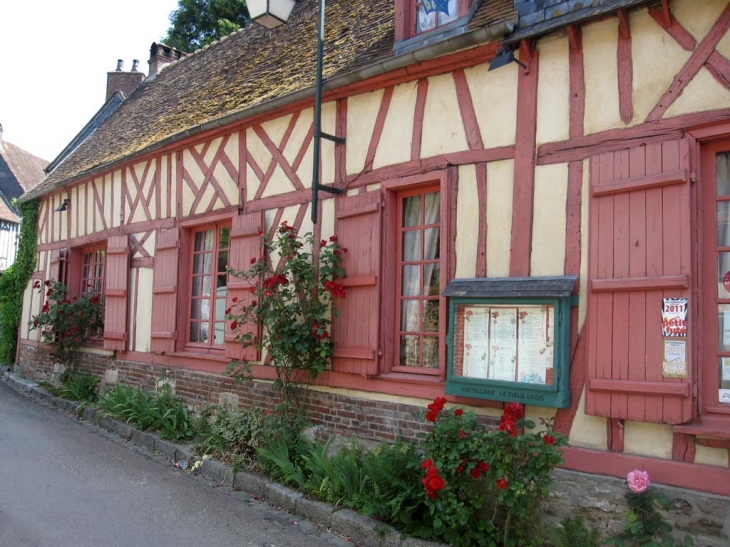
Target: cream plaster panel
467	222
279	183
362	111
231	149
648	439
548	220
395	142
494	95
443	128
62	219
212	150
307	226
252	183
371	187
704	92
86	204
583	290
708	455
140	215
187	199
698	21
149	245
588	431
257	150
42	208
500	182
113	185
144	310
553	92
537	413
657	58
227	183
723	46
298	134
28	311
600	41
304	171
329	119
131	304
76	209
209	194
275	129
162	188
327	219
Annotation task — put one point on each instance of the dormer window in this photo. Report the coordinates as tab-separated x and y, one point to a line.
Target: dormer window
427	18
422	22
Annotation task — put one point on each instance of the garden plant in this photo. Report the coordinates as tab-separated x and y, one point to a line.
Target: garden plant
293	284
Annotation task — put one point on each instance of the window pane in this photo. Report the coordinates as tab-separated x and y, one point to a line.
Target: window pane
412	211
409	351
722	173
194	332
220	309
411	281
223	238
426	21
411	245
198	264
195	310
206	285
430	352
431	283
431	316
452	15
222	261
208	263
432	207
723	224
723	272
203	333
431	244
199	238
197	285
219	333
209	240
724	381
410	315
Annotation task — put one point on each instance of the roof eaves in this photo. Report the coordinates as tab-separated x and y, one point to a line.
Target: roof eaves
492	31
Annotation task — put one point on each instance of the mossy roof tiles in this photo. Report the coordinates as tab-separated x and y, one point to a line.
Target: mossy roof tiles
246	68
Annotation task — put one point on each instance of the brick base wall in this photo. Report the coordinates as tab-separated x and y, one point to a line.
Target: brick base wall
339	414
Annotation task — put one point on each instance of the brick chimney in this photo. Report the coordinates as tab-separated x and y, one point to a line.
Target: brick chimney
161	55
119	80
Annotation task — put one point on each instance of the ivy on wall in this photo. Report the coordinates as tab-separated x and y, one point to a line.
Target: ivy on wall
15	280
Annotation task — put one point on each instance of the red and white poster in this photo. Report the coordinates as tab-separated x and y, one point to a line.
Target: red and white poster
674	317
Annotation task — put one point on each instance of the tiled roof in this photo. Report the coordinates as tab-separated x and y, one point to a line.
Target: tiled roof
245	69
27	168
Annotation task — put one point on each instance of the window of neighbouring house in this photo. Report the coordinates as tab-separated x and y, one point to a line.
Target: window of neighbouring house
431	14
418	279
208	286
422	22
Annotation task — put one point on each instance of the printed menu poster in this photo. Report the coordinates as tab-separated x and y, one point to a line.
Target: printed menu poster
675	359
533	345
503	344
674	317
476	340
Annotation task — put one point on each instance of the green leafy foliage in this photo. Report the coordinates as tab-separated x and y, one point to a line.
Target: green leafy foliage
196	23
230	434
78	386
160	411
67	322
292	303
484	487
15	280
573	532
645	526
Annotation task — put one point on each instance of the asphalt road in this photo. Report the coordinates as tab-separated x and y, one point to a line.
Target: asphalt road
64	483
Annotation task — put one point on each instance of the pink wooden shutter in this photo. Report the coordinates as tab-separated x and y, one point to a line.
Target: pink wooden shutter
115	293
356	331
639	243
245	245
164	291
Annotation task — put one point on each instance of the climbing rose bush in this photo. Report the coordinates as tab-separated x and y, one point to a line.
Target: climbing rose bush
66	322
483	486
294	283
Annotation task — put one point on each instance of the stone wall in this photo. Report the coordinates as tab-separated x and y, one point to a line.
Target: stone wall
599	499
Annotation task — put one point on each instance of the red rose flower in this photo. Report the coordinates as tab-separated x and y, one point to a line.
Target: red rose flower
333	238
460	468
462	435
427	464
458	412
483	466
476	473
253	260
323	243
234	324
502	483
549	440
234	299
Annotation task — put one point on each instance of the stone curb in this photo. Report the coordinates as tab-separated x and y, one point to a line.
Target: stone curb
359	529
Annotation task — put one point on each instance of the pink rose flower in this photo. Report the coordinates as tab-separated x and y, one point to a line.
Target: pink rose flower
638	481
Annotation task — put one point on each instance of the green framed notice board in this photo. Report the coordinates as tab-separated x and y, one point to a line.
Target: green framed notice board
509	339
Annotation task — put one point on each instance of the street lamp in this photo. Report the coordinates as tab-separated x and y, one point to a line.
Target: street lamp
270	14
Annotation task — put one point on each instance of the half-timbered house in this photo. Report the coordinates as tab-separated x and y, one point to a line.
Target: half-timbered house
603	154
